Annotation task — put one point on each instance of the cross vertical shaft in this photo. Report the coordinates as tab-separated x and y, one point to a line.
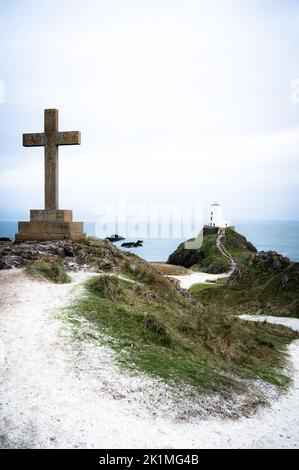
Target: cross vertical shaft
51	159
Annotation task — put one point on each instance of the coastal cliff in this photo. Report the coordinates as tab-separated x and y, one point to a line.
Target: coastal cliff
208	258
258	283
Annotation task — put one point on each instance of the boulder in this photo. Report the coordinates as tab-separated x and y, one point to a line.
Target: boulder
132	244
183	257
9	262
69	250
115	238
30	254
105	264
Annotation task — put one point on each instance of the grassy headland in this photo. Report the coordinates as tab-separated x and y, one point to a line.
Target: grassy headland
208	258
155	328
265	283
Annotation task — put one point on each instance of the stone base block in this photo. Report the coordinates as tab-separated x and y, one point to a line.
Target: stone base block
50	225
51	215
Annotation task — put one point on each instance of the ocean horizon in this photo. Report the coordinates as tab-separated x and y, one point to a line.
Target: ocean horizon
280	236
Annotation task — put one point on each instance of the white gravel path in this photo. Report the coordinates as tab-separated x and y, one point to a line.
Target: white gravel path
55	395
285	321
187	280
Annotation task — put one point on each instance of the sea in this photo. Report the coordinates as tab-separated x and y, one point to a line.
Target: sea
280	236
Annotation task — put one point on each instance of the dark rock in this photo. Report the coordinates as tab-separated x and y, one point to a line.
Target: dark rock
92	254
5	239
132	244
207	230
183	257
105	264
6	251
184	292
69	250
58	251
41	248
9	262
115	238
30	254
269	261
283	281
237	277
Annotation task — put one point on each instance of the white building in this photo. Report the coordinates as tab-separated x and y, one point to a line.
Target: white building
216	217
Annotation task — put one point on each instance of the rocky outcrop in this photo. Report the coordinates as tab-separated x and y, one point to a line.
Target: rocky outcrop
10	261
89	254
183	257
185	293
132	244
237	277
268	261
115	238
189	257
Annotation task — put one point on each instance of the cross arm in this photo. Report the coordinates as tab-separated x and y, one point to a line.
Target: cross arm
68	138
33	140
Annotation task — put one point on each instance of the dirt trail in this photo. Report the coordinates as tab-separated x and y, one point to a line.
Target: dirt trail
233	262
55	393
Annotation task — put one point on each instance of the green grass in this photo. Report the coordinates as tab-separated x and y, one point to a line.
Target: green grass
198	288
237	245
261	293
50	269
213	261
154	329
262	290
106	287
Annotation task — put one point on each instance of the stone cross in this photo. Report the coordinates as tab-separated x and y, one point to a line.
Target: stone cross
51	138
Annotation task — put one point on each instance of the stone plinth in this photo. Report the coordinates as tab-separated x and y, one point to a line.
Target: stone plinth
51	215
50	225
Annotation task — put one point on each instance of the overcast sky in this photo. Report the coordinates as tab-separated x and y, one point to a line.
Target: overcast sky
177	100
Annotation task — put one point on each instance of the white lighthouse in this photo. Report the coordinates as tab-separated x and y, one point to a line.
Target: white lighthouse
216	217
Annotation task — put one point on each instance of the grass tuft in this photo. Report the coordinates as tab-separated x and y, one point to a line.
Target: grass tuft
152	322
51	269
107	287
170	269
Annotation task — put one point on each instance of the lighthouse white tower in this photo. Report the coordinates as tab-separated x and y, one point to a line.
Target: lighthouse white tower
216	217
